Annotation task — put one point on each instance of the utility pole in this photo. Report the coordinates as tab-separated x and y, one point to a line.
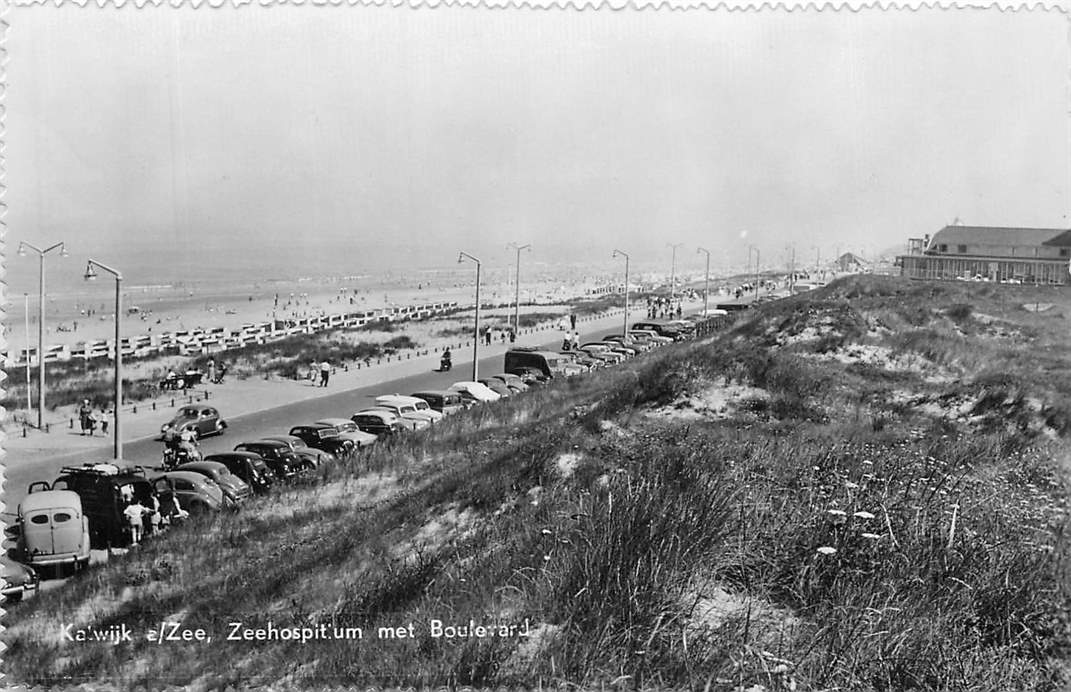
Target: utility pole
476	333
517	287
706	282
41	323
673	271
749	250
624	333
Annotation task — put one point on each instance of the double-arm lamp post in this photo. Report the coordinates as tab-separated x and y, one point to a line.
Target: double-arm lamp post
706	284
476	332
23	245
517	287
624	333
89	276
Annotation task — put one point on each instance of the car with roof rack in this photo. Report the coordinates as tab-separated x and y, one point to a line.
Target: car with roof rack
106	490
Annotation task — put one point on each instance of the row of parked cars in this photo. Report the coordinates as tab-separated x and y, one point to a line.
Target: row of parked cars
59	522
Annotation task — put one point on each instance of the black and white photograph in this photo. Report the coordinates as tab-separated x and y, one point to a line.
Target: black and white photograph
536	347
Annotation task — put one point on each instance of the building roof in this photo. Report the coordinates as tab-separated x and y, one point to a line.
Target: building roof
850	258
999	235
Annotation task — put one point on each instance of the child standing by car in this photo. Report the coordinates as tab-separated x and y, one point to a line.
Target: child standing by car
134	514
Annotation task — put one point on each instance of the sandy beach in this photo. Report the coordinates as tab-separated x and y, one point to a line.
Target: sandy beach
73	317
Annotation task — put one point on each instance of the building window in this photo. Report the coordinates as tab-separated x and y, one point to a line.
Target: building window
962	249
1065	252
942	248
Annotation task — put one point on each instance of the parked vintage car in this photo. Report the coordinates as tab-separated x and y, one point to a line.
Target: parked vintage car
497	386
325	437
19	579
310	457
379	422
196	493
602	352
249	467
348	430
638	345
236	490
203	420
475	391
442	401
661	328
51	531
514	382
651	335
582	361
616	347
105	491
404	402
549	363
277	455
533	377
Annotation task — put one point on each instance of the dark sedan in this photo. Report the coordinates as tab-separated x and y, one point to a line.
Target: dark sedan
310	457
203	420
378	422
277	455
325	437
247	466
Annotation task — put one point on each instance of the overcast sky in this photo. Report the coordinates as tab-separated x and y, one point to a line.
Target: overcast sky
405	135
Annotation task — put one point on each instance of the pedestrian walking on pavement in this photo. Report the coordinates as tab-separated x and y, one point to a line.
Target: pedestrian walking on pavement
325	373
85	417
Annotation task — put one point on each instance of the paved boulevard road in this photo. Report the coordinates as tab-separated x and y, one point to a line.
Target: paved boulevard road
148	451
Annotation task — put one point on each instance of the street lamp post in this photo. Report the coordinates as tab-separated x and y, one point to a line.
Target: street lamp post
749	249
117	428
616	253
517	287
792	268
673	271
476	333
706	282
41	323
26	314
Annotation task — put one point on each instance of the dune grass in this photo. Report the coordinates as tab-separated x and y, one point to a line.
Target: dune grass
831	538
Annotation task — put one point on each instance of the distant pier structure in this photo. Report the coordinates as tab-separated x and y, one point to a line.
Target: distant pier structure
990	253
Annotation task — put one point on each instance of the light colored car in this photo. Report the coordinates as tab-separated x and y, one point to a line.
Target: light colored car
652	335
512	381
441	401
347	429
410	421
422	406
234	488
603	352
52	530
475	391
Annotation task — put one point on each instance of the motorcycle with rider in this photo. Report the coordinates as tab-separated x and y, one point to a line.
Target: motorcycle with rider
180	447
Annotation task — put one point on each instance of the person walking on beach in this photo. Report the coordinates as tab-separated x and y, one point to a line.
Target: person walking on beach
103	417
85	417
325	373
572	320
211	370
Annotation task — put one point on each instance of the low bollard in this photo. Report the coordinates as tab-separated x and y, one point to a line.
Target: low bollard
24	431
70	425
172	402
48	427
134	410
154	406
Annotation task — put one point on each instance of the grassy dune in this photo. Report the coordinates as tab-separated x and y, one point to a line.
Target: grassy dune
861	488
